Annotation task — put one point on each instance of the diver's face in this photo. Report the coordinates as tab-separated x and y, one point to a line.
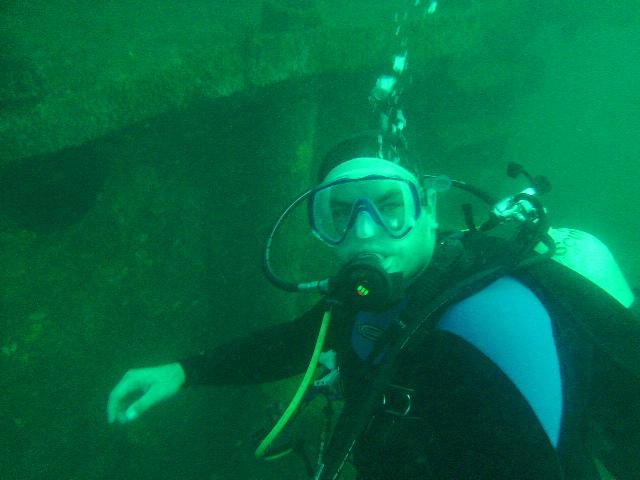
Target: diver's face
385	211
408	255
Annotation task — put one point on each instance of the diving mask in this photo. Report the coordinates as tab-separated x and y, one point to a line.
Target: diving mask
390	198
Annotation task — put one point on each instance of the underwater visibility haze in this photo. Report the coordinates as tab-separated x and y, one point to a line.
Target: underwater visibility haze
146	148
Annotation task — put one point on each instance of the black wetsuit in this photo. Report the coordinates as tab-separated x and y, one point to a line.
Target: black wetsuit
478	410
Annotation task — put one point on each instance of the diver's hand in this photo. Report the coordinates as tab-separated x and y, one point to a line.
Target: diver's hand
142	388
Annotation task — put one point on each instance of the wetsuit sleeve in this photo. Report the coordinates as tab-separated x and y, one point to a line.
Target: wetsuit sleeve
269	354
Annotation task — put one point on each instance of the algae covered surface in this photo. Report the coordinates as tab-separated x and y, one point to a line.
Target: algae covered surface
147	146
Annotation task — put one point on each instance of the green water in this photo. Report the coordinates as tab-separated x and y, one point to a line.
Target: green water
138	245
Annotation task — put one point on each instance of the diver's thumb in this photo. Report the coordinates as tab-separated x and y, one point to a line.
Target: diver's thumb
140	406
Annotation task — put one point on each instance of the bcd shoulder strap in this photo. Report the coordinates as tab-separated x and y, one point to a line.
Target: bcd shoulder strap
594	313
433	293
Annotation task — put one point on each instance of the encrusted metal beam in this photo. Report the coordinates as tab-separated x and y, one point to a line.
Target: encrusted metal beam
51	100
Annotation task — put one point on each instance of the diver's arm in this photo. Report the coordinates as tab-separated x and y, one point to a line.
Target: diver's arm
269	354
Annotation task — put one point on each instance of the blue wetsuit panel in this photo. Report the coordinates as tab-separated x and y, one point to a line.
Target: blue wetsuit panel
508	324
368	327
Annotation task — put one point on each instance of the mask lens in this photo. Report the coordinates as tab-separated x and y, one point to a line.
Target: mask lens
392	203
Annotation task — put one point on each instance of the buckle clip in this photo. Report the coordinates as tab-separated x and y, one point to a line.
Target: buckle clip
398	401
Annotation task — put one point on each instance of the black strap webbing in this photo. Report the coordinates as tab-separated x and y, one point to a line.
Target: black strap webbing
357	414
596	314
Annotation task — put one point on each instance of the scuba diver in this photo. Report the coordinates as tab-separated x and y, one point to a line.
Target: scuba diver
458	355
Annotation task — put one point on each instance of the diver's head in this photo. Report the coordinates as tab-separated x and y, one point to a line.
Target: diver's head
369	204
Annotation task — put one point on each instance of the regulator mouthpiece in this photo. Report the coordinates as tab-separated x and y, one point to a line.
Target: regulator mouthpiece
364	284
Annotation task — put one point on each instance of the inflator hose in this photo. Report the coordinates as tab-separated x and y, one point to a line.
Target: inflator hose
299	395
